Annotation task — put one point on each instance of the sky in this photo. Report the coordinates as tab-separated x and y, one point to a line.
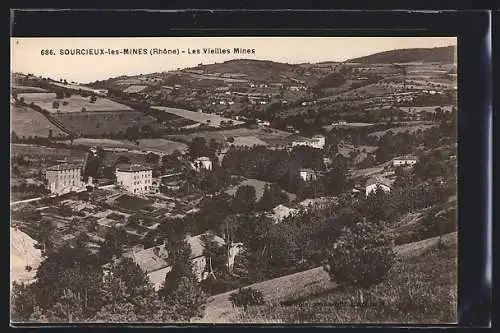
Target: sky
27	57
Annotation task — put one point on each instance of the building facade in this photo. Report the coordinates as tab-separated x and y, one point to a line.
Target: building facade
404	161
135	178
317	141
202	163
378	183
64	178
307	175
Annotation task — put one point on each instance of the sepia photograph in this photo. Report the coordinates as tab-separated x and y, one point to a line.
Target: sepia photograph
236	180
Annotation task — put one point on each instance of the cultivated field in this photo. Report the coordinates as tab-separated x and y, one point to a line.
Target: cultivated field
396	130
429	109
248	141
75	103
212	120
347	125
26	122
134	89
150	145
40	153
101	123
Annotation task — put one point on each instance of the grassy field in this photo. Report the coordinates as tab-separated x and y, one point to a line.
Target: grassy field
99	123
429	109
420	288
41	153
155	145
134	89
75	103
259	186
212	120
220	310
18	89
27	122
396	130
268	135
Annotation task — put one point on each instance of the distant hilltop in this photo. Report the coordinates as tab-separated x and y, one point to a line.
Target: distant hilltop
445	54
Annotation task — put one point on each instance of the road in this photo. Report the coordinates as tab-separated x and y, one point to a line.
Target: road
29	200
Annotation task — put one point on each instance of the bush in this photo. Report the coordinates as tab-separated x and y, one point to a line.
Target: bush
246	296
361	257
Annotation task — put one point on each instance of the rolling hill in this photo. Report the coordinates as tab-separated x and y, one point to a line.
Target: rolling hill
445	54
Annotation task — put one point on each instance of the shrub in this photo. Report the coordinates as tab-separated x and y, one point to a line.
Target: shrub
361	257
246	296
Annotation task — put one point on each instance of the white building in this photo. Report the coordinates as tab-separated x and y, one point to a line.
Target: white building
307	175
135	178
378	183
317	141
202	163
404	161
64	178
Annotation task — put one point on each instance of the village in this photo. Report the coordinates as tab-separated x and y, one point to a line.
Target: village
253	178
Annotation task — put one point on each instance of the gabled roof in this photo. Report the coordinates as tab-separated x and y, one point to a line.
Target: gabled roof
149	261
379	181
405	158
203	158
133	168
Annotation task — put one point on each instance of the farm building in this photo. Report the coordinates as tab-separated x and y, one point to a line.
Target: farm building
378	183
154	261
64	178
281	212
317	141
404	161
135	178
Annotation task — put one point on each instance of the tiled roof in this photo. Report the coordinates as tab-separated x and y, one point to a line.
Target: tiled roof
148	261
203	158
133	168
379	180
62	167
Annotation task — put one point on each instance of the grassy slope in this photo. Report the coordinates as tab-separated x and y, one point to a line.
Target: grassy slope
424	278
421	288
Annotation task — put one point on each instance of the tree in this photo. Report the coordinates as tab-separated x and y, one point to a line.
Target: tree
59	94
45	233
181	291
152	158
272	197
112	245
246	296
361	257
69	276
122	159
197	147
55	104
244	199
216	255
93	99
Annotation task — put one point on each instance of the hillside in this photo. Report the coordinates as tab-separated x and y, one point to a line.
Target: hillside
437	54
258	70
22	253
421	288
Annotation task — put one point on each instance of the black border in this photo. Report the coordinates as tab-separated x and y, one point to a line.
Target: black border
475	93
